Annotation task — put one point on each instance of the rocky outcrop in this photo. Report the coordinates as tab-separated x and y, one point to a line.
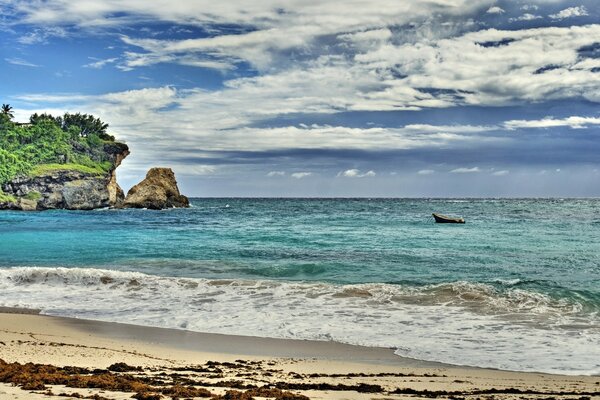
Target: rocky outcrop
69	189
156	192
116	196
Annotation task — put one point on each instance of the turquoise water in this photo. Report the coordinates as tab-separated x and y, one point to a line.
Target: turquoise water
516	287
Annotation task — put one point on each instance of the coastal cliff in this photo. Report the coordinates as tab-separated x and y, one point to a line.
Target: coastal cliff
68	186
69	162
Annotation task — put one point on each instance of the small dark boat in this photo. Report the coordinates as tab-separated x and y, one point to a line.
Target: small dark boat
442	219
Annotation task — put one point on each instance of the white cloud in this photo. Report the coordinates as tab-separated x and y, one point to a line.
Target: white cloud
355	59
495	10
449	128
358	23
275	173
42	35
487	67
530	7
571	12
54	98
500	173
300	175
426	172
525	17
20	61
195	169
355	173
465	170
367	36
98	64
573	122
166	114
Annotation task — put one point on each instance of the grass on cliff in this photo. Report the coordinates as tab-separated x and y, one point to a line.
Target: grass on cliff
33	195
45	169
73	142
5	198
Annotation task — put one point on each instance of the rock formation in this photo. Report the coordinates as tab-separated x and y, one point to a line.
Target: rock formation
157	191
69	189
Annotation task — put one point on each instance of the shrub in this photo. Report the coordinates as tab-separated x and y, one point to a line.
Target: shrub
48	143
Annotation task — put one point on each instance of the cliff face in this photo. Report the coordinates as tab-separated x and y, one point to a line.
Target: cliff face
68	189
157	191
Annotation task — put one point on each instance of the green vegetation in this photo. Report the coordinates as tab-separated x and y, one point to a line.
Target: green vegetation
5	198
7	111
33	195
44	169
69	142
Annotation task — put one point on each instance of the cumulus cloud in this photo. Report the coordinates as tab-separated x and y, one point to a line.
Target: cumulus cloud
526	17
164	122
169	114
501	173
275	173
355	173
530	7
88	13
464	170
426	172
282	61
571	12
495	10
300	175
473	69
448	128
355	60
488	67
262	25
573	122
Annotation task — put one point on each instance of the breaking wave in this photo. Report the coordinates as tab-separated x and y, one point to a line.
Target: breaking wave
500	326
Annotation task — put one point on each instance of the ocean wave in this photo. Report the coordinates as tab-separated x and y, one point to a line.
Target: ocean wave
505	326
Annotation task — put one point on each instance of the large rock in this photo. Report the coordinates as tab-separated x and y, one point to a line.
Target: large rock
69	189
156	192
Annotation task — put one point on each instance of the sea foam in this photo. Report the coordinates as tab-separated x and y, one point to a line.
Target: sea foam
459	322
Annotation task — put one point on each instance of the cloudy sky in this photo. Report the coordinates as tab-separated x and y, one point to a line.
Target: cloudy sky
324	98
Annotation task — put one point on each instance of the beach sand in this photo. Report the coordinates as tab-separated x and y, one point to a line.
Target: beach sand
182	364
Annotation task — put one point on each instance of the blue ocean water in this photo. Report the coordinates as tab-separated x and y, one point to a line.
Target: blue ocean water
516	287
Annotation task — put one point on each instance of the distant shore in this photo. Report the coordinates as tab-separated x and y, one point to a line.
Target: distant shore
215	364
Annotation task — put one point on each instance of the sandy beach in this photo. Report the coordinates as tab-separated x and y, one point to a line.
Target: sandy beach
118	361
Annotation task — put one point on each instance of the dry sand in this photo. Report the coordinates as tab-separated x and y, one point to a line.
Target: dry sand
227	365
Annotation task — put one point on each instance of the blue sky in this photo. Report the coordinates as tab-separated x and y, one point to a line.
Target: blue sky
323	98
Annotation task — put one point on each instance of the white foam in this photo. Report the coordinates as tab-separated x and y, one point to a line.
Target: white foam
459	323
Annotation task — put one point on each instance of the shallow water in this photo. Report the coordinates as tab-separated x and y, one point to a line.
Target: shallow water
517	287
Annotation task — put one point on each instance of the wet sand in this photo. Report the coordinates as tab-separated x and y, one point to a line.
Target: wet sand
120	361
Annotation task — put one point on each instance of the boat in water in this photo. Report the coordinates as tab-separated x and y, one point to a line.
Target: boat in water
443	219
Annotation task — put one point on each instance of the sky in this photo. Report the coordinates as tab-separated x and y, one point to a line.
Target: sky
305	98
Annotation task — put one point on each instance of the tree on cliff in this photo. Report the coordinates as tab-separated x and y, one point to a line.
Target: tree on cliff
79	125
7	111
86	124
73	141
36	118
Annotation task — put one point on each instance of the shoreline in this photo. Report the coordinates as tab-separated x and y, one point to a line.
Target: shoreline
239	345
250	346
221	363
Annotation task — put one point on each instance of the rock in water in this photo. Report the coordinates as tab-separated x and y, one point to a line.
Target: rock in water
156	192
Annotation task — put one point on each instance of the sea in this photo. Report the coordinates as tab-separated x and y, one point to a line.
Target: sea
517	287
